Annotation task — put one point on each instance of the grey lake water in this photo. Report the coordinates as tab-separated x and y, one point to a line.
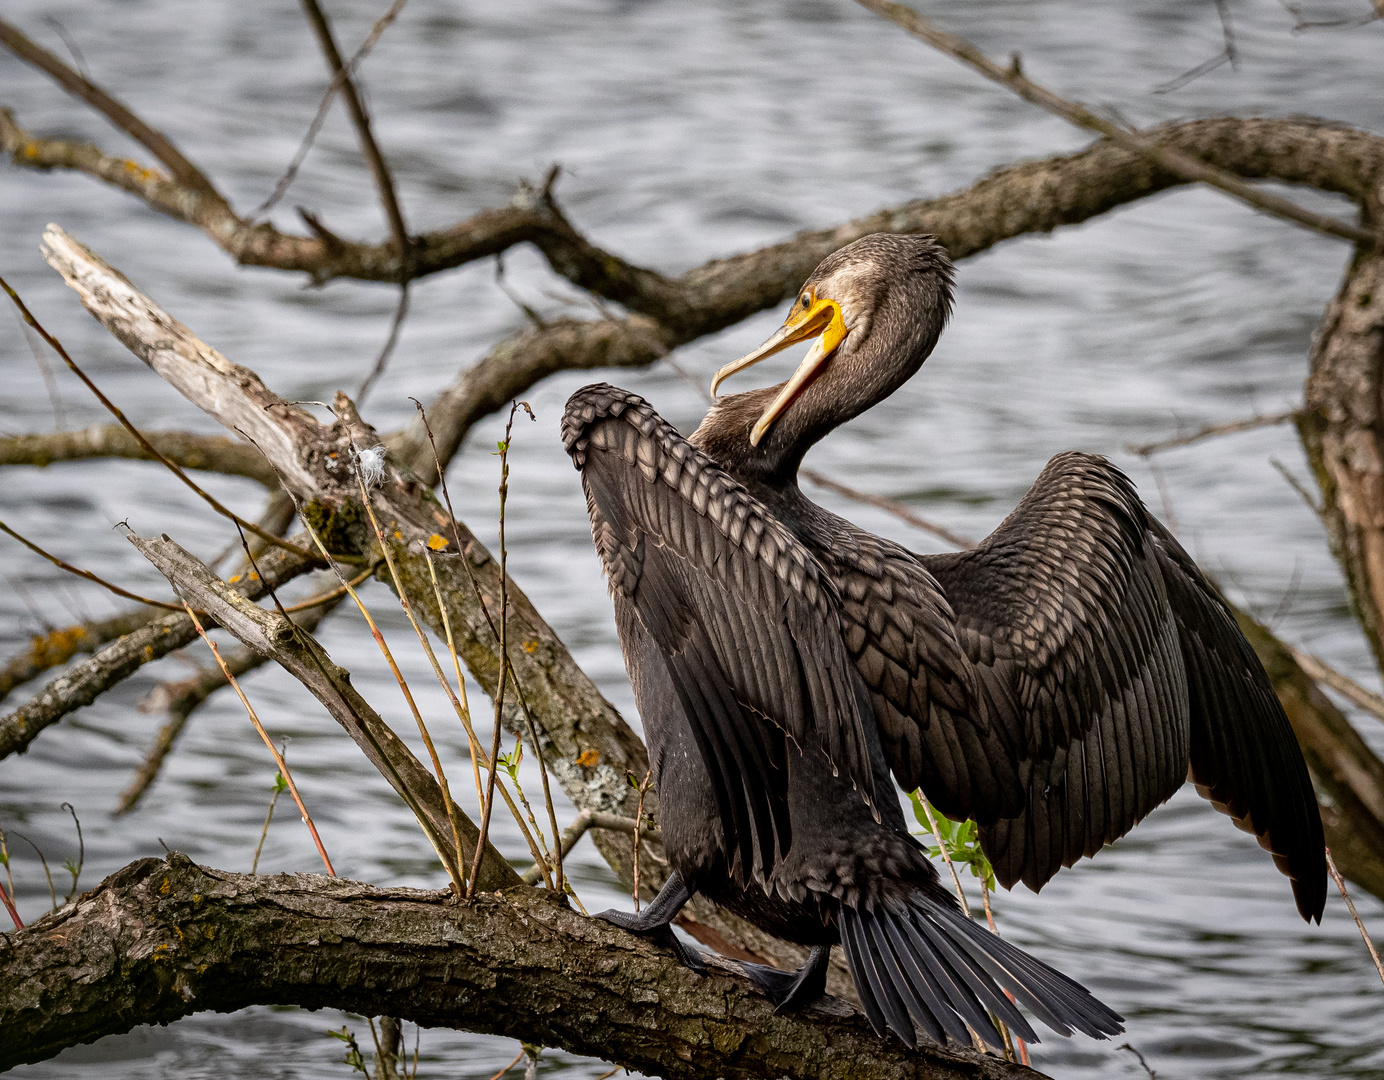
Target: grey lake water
688	130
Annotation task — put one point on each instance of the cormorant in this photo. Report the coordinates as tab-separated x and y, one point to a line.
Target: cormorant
1055	683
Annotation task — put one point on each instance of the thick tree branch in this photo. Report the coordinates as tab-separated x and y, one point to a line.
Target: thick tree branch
1033	197
210	453
157	144
163	939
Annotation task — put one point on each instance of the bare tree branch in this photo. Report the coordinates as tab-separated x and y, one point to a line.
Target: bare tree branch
161	939
57	647
209	453
1190	168
1211	431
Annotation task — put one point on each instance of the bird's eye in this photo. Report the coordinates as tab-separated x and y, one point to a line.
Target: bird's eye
805	301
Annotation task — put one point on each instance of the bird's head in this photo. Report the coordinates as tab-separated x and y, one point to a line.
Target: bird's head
876	309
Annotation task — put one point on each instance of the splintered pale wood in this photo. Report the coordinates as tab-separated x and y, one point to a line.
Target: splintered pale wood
229	392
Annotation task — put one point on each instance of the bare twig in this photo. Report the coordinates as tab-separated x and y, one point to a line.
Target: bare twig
183	170
1174	160
504	651
75	869
274	750
1151	1074
428	649
211	453
396	324
946	855
1341	884
643	788
1229	54
279	786
1298	486
286	180
510	1065
9	906
87	574
1212	430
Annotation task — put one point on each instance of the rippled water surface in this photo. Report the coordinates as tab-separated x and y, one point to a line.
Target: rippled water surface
688	131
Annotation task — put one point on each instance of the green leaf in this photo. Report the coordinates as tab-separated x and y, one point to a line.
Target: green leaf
280	784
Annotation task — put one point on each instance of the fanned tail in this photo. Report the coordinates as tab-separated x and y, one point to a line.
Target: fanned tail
922	966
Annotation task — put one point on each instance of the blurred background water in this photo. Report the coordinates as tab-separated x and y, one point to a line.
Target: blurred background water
689	131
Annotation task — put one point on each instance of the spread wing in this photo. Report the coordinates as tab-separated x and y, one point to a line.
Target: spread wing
1244	756
743	616
936	729
1115	667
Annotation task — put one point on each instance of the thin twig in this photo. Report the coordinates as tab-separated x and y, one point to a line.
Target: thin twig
382	359
259	727
1011	1041
149	447
1229	54
643	788
1151	1074
43	861
1175	161
1298	486
461	704
279	786
504	652
324	106
76	871
1213	430
183	170
1320	671
9	905
893	506
441	774
1341	884
946	855
88	574
509	1066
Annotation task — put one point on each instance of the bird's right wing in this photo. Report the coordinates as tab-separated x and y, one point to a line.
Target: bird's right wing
741	611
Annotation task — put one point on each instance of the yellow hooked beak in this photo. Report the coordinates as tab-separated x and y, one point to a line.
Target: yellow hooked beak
822	320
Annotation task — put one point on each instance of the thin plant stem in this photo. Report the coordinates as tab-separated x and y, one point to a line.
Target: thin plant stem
462	703
79	572
1341	884
485	611
509	1066
52	893
1011	1042
9	877
448	859
452	814
638	821
478	758
504	659
259	727
543	863
264	832
76	871
946	855
138	436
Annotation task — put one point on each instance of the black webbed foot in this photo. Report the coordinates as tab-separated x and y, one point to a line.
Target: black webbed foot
653	922
791	990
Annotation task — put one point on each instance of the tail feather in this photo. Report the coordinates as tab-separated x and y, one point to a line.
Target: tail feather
928	961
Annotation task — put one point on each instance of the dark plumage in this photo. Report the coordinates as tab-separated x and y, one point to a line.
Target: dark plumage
1055	683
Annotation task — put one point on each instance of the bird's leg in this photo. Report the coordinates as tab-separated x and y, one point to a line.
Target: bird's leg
654	921
791	990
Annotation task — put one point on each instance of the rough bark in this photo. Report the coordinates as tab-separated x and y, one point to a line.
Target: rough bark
162	939
1342	430
56	647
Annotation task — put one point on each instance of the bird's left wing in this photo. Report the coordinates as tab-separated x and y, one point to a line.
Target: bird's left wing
745	619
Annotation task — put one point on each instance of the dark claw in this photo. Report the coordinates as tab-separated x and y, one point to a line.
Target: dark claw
660	933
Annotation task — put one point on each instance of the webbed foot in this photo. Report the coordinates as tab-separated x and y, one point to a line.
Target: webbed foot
791	990
654	921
